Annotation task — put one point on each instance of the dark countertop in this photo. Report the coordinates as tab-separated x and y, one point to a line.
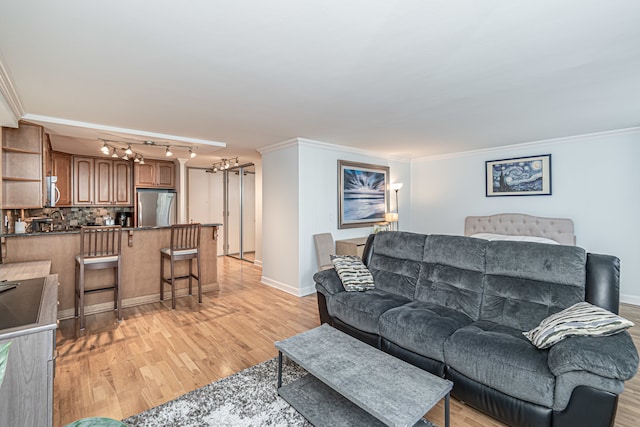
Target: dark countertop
77	230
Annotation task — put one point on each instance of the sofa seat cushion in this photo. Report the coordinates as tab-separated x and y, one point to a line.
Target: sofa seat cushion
363	309
422	327
503	359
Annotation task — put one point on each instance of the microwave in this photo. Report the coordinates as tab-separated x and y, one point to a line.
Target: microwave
53	194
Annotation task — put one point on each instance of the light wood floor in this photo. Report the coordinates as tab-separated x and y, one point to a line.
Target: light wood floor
157	354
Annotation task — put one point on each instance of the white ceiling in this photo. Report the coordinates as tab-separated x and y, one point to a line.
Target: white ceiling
404	78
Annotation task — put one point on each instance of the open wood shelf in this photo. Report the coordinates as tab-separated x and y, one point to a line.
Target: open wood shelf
10	178
19	150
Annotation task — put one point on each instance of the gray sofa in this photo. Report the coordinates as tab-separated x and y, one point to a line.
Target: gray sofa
457	306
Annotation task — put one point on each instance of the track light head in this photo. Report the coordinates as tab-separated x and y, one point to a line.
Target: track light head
168	153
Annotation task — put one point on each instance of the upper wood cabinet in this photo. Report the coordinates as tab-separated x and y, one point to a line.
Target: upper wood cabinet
100	181
61	167
22	164
82	181
155	174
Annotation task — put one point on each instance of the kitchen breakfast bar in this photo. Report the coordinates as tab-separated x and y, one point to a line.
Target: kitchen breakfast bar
140	265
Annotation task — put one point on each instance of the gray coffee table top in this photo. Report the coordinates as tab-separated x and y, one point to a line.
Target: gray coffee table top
395	392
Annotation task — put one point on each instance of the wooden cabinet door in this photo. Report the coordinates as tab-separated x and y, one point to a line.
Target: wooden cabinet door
61	167
103	182
122	183
145	174
82	181
165	174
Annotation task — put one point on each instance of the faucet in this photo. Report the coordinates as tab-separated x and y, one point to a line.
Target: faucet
60	215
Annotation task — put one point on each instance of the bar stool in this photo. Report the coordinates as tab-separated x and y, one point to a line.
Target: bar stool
185	245
100	247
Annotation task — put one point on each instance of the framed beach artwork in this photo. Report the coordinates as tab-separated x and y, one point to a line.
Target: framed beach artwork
363	196
522	176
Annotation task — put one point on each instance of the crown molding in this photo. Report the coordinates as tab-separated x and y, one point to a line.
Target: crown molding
541	143
142	133
10	95
326	146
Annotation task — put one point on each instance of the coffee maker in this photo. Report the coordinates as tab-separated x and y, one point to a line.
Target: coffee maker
124	219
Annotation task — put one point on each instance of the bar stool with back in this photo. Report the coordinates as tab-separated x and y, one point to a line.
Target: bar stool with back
100	247
185	245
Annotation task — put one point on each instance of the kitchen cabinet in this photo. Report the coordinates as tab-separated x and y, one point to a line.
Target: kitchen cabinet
61	167
155	174
22	166
99	181
26	395
82	181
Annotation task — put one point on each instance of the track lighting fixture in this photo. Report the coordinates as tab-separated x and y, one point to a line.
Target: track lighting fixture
110	146
223	164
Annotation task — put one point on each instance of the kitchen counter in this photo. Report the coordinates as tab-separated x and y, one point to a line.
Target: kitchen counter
140	265
25	270
76	230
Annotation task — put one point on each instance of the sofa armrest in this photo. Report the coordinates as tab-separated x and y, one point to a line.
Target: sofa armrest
602	286
328	282
611	357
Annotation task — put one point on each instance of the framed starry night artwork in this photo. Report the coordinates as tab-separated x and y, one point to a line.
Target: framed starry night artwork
521	176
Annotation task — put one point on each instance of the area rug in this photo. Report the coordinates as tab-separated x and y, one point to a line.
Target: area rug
247	398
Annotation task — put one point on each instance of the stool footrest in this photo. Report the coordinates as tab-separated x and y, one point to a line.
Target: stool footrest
168	279
93	291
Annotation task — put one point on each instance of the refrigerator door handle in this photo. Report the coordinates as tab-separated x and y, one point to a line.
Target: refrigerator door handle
140	214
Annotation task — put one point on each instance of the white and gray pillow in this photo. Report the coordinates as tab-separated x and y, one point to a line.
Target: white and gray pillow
355	276
581	319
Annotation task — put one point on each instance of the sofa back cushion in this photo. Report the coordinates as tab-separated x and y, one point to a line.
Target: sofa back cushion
526	282
395	261
452	273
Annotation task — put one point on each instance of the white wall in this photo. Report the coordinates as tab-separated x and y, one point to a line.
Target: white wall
280	183
316	168
206	200
595	181
258	186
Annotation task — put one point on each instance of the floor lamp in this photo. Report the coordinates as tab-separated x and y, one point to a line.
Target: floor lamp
395	187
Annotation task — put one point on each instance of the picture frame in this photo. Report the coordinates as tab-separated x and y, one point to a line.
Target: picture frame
363	194
519	176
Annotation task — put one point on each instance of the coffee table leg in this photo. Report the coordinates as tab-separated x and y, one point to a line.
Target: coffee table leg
446	410
279	369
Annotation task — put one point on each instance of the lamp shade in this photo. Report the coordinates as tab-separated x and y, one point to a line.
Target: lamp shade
396	186
391	217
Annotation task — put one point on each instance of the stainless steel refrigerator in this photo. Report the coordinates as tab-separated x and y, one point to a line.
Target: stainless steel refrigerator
156	207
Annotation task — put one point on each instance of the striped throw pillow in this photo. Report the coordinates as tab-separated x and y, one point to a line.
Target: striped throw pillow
355	276
581	319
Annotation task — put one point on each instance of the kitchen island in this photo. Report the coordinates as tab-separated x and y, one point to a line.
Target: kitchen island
140	265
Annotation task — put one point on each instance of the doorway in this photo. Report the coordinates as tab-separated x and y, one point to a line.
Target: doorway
240	207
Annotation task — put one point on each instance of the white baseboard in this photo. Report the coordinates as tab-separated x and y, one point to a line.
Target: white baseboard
287	288
630	299
257	263
132	302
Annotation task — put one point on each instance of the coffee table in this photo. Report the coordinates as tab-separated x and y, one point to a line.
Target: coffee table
352	383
